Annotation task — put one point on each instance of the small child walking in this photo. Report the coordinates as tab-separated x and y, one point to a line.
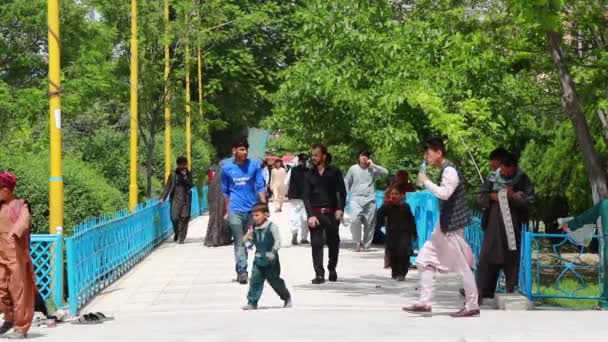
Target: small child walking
400	233
266	265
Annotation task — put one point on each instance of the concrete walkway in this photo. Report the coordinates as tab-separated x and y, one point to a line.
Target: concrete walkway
187	293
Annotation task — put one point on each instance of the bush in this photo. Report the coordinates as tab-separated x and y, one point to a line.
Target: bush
87	194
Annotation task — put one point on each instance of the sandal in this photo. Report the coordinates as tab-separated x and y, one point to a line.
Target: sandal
87	319
100	316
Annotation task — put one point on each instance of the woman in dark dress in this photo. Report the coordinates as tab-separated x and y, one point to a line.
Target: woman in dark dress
217	231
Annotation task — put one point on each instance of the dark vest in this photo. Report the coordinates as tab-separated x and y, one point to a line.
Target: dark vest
454	213
296	182
264	242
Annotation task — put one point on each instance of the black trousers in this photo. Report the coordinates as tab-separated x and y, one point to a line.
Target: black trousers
327	232
180	229
487	277
399	259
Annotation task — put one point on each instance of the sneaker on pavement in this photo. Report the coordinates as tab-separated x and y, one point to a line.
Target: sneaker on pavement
250	307
288	303
6	326
243	278
333	276
14	334
305	242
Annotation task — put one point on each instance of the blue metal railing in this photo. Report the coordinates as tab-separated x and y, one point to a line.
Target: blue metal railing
104	248
46	251
204	201
545	266
473	234
195	206
101	250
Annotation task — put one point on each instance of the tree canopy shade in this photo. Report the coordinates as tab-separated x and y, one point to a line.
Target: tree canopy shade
528	75
386	74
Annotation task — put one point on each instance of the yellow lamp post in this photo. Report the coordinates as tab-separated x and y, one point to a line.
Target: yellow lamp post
133	189
56	169
167	95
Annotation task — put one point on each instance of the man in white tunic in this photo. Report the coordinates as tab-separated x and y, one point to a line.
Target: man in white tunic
446	250
360	181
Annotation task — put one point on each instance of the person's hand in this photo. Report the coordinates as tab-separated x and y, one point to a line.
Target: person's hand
339	215
271	256
370	162
422	178
510	192
12	236
313	222
248	236
518	196
565	227
161	201
225	216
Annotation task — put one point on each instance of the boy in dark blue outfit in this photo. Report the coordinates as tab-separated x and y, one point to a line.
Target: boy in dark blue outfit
266	265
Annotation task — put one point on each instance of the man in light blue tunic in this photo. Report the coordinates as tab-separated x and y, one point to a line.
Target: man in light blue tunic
362	199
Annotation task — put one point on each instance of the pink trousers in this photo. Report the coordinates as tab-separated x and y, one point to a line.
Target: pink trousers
447	252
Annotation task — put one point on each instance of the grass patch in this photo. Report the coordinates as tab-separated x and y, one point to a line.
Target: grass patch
569	285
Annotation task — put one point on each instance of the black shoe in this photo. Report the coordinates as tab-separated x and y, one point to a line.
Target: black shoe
464	313
288	303
400	278
318	280
175	237
6	326
305	242
333	276
181	242
461	291
243	278
294	239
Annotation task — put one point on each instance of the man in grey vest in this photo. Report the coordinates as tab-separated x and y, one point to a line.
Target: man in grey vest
446	250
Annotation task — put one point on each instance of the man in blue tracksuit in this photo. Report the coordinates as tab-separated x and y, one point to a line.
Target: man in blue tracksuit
243	187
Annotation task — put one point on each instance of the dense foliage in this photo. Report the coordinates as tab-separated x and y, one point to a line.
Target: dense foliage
386	74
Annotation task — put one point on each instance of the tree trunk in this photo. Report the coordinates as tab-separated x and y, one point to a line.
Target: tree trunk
604	120
574	109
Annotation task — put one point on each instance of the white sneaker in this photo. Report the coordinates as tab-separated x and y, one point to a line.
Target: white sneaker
14	334
563	220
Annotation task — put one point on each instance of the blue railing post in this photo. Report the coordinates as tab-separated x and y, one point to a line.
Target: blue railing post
604	269
58	284
195	209
204	199
72	290
528	263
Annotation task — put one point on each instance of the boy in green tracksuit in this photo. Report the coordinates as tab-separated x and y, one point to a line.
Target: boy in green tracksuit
266	265
598	211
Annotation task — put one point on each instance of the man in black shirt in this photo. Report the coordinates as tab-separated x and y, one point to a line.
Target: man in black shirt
324	195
